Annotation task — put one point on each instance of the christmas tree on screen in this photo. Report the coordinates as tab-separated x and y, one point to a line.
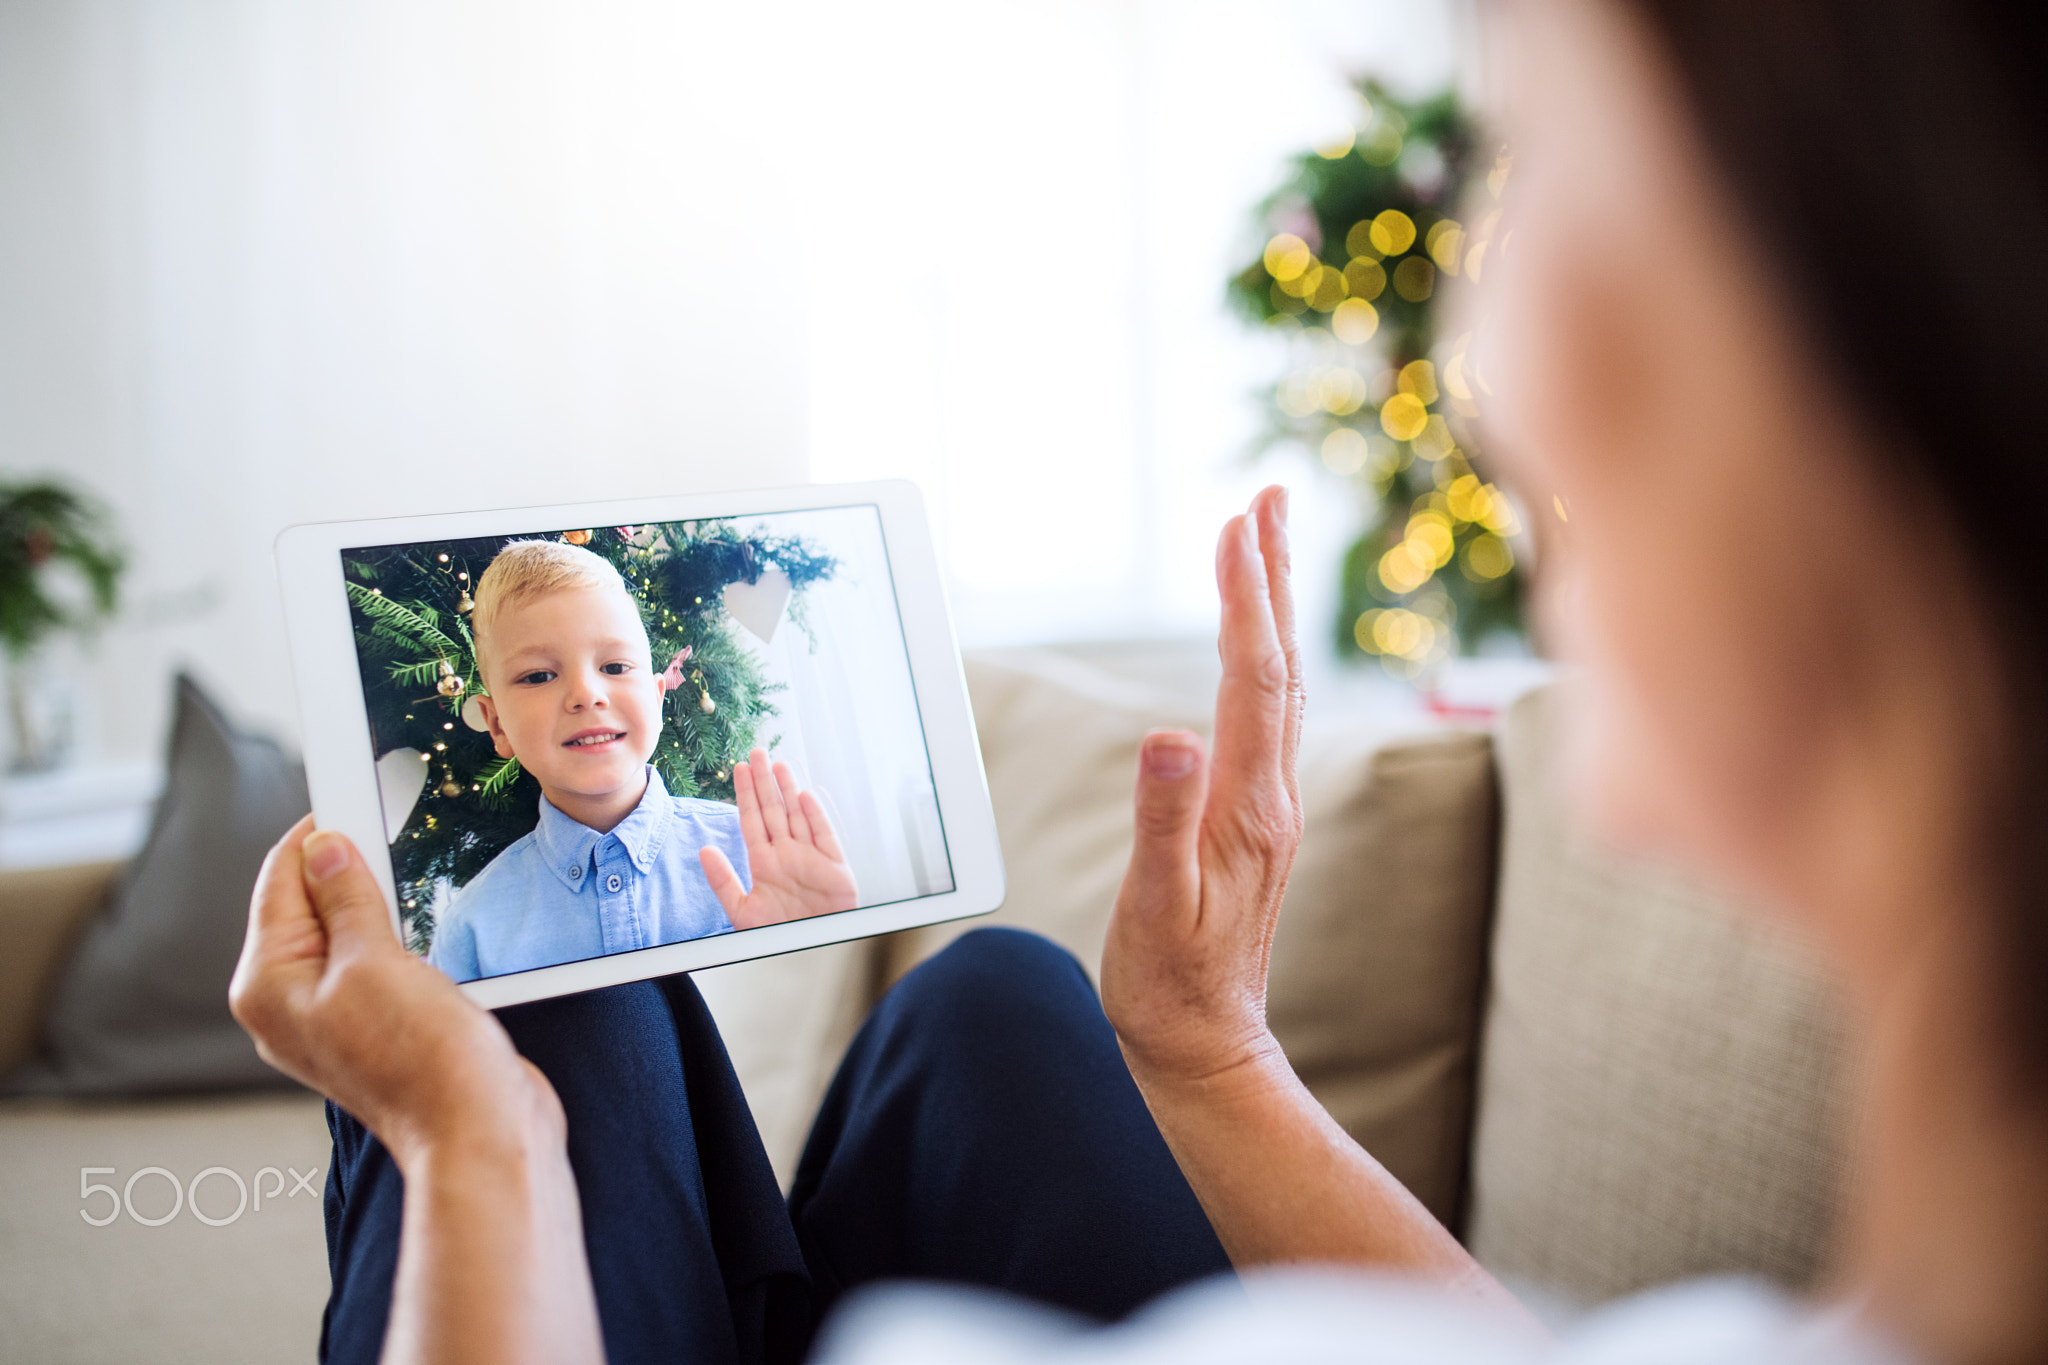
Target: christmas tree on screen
411	606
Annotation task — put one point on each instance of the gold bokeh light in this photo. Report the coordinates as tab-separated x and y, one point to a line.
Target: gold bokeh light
1340	391
1382	145
1345	451
1488	557
1418	377
1397	631
1392	233
1406	567
1445	243
1403	416
1431	533
1354	321
1365	277
1330	289
1415	279
1287	256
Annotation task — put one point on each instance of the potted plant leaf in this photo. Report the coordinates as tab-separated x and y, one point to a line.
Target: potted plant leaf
60	571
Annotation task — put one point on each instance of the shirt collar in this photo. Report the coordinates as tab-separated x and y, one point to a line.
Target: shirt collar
568	844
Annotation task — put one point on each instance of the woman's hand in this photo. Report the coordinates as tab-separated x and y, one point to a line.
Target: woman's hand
797	866
1184	967
490	1258
333	999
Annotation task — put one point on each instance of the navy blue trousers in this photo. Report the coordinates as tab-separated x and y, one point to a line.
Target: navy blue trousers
982	1130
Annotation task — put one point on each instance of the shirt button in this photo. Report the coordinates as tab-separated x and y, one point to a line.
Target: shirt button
576	874
612	883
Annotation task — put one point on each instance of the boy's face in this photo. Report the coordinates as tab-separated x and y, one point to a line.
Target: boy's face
572	695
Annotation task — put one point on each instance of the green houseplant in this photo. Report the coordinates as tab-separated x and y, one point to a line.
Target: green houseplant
60	570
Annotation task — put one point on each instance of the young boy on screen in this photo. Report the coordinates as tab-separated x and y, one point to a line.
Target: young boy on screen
616	863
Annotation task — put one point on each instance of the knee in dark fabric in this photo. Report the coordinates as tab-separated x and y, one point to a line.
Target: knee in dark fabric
989	976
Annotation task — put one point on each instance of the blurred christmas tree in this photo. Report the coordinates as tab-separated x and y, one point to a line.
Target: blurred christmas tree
1357	244
411	606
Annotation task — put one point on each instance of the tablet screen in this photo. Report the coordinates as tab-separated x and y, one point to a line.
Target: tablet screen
592	740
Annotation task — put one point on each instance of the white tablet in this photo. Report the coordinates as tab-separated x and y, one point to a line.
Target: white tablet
600	742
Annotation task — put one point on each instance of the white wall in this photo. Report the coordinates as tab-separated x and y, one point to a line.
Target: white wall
1051	194
266	263
263	263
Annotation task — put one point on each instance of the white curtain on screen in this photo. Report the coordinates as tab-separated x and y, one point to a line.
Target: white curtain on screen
848	722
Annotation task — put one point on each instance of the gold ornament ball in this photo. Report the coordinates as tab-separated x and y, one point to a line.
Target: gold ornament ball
450	686
451	788
705	704
465	603
576	537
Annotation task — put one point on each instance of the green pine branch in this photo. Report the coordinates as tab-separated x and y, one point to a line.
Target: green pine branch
418	623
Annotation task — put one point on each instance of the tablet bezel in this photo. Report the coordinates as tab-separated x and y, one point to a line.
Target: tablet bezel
342	777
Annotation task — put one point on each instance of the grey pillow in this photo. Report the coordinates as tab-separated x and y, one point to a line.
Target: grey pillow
143	1006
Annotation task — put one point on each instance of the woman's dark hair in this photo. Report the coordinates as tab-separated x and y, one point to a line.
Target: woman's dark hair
1892	157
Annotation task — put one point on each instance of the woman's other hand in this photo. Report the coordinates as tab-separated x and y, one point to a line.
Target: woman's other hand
1184	967
333	1000
490	1259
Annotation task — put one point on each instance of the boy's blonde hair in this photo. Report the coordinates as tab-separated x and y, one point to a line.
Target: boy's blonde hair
529	569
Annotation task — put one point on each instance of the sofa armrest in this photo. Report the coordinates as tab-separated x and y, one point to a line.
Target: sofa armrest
42	913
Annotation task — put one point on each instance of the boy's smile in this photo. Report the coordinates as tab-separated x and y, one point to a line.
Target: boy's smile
573	697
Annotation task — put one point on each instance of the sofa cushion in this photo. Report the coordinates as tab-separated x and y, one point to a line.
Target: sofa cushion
1661	1092
43	910
142	1006
786	1022
1377	963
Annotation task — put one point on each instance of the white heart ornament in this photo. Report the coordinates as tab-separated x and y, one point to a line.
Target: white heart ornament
759	605
401	777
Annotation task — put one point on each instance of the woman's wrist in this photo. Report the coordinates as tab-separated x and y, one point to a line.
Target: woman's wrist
498	1144
491	1264
499	1128
1250	1067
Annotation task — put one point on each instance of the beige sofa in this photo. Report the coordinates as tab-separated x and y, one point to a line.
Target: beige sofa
1593	1070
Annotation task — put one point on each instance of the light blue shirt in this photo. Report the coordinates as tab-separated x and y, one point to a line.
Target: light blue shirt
565	892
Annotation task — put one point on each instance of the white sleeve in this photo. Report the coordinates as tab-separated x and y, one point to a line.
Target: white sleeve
1299	1317
1308	1317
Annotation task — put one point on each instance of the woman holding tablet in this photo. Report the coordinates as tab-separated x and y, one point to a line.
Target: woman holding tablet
1812	651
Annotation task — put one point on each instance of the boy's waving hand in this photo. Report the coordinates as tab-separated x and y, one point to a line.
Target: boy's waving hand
799	869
